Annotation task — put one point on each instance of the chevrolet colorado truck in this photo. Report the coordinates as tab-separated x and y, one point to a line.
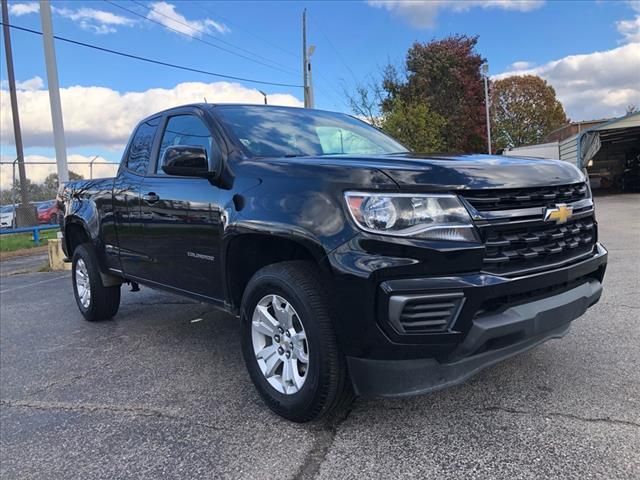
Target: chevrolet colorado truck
355	266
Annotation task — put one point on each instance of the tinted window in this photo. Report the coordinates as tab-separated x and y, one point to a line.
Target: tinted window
140	149
186	130
276	131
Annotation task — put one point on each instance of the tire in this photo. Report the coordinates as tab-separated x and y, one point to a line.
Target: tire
102	302
326	388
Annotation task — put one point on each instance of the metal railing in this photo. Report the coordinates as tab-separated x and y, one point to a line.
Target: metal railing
36	231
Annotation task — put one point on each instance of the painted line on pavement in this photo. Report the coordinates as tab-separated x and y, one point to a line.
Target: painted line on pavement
32	284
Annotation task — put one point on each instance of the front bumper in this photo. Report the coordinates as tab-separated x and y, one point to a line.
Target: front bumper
492	338
499	318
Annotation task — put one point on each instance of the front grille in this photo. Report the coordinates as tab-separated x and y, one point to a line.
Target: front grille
424	313
513	249
491	200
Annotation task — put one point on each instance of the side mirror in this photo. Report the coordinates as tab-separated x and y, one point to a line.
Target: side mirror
186	161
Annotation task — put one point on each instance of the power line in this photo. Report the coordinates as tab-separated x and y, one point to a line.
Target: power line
192	36
338	55
253	34
214	37
157	62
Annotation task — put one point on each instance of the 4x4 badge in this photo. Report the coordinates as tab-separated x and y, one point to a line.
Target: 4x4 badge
560	214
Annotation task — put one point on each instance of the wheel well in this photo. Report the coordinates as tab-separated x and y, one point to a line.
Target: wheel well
75	235
249	253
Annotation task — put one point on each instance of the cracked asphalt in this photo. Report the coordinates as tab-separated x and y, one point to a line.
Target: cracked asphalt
161	392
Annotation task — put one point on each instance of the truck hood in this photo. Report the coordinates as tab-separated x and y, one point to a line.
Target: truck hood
459	172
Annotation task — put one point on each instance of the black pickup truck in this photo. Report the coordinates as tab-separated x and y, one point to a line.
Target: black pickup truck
355	266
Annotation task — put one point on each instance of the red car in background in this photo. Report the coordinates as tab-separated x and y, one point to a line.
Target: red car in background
48	212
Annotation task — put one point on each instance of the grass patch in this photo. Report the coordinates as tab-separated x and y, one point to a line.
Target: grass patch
20	241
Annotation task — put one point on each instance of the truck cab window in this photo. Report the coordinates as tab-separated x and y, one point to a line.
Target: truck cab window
140	150
186	130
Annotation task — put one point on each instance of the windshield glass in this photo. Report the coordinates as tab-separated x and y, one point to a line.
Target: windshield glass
7	209
281	132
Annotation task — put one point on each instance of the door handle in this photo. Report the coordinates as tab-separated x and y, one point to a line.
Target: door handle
150	197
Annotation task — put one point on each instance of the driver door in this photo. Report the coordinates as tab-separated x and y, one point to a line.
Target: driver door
182	225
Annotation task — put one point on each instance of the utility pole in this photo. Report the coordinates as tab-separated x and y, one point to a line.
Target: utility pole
306	64
310	51
21	219
305	85
54	91
485	74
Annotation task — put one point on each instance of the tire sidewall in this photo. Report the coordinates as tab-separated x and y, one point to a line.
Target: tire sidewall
301	401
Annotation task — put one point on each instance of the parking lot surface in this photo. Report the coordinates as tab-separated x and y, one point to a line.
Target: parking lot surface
161	392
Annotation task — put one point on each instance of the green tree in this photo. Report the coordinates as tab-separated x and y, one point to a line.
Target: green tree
440	82
50	183
414	125
445	75
524	110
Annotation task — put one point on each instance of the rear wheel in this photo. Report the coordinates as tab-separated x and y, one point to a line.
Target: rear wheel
289	344
95	301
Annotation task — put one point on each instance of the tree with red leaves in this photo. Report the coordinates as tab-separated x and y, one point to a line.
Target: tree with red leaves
445	75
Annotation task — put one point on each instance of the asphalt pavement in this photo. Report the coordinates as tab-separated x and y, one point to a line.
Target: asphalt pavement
161	392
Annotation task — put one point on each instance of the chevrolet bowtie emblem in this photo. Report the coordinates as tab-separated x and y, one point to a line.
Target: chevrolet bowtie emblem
560	214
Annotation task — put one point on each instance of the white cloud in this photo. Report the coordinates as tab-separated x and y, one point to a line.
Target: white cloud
593	85
629	29
34	83
101	116
166	14
36	172
97	21
19	9
91	19
423	14
521	65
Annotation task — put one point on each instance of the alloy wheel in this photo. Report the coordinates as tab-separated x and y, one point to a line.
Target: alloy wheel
280	344
83	287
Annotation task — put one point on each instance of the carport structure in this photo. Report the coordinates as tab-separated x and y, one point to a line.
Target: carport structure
611	152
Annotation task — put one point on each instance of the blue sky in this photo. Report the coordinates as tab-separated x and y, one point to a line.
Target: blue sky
359	35
353	40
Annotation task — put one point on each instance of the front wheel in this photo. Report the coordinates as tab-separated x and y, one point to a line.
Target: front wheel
95	301
289	344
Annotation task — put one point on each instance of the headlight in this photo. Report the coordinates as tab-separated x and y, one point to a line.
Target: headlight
436	217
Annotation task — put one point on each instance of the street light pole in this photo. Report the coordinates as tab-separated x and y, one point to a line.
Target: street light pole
54	91
485	74
264	95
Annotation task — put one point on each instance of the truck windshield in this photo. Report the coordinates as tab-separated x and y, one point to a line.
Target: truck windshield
297	132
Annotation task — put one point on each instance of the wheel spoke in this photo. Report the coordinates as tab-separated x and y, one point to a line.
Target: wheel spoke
284	315
267	352
287	373
298	380
299	338
300	355
272	363
265	323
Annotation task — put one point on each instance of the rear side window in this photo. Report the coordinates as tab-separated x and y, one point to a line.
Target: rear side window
140	150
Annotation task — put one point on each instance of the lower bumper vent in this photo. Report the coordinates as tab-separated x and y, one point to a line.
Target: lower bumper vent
416	314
